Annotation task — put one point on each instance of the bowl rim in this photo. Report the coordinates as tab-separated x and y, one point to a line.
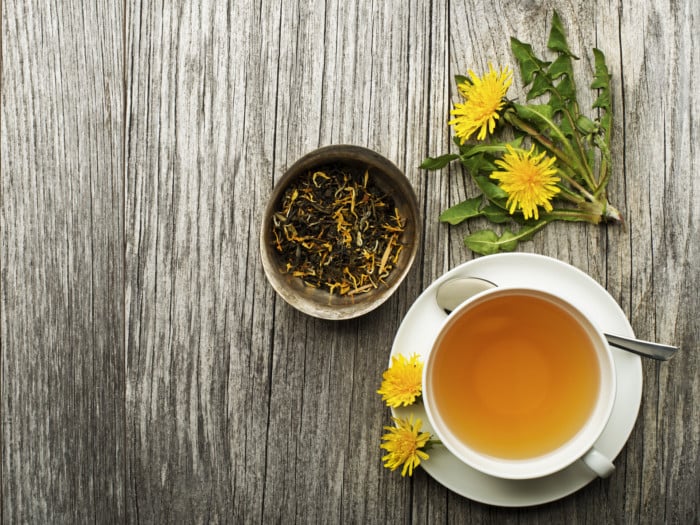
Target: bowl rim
389	174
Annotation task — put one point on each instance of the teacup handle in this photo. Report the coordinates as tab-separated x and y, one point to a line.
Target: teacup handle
598	463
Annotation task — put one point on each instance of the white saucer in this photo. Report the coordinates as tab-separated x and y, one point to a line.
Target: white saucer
419	329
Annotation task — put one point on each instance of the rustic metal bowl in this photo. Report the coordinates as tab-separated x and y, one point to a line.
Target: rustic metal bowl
318	302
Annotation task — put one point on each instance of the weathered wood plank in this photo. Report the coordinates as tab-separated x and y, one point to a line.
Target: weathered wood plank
661	185
62	384
198	315
212	400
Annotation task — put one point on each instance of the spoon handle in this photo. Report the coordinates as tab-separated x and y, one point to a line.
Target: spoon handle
644	348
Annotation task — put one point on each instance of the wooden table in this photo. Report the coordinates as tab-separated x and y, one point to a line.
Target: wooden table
150	373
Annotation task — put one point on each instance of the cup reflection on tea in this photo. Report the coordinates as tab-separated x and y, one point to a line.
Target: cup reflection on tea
519	384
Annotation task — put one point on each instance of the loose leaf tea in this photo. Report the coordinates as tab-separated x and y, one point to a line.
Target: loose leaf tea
336	229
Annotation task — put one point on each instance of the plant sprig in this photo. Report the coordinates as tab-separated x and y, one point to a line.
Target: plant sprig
569	158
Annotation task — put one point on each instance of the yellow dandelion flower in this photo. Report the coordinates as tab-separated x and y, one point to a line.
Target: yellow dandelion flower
484	98
529	179
402	382
403	443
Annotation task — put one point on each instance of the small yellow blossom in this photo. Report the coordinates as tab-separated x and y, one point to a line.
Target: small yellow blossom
402	382
529	179
403	443
484	98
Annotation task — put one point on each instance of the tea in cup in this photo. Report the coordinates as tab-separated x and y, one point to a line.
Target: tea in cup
520	384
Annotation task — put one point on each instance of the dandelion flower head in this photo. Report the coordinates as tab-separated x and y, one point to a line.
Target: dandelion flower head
403	443
484	98
530	180
402	382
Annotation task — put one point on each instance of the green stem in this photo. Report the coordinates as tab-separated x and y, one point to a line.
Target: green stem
571	196
544	140
604	175
603	146
579	145
572	216
570	179
566	158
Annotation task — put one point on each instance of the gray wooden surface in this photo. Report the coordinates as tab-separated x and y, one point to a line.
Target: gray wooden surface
148	371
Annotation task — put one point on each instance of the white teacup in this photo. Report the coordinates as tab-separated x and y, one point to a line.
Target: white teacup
511	397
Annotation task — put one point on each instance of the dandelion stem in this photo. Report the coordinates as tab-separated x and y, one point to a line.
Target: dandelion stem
570	195
539	137
572	215
570	158
583	191
577	138
604	164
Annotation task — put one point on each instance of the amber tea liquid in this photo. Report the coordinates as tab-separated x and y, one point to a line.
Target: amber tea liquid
515	377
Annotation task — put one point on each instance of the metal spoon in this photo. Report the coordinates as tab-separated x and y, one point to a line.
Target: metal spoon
452	293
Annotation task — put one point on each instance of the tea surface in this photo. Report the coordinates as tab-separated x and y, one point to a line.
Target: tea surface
515	377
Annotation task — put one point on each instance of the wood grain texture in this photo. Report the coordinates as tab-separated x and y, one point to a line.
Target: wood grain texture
150	373
62	352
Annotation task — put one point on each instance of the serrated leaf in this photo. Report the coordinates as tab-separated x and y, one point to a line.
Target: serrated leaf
436	163
566	88
487	242
516	142
602	74
540	86
492	191
603	100
601	82
557	37
528	62
461	79
476	163
486	148
495	214
462	211
561	66
539	113
484	242
508	241
477	158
